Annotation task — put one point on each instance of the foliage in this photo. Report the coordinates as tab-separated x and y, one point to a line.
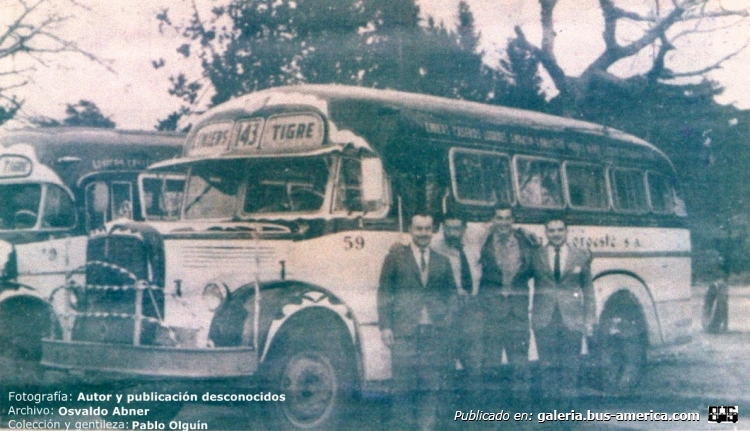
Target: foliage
251	45
82	114
29	37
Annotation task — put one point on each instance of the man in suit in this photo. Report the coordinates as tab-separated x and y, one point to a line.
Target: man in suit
563	310
503	298
416	286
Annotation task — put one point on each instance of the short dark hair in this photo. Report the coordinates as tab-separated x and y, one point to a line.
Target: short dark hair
422	214
454	216
501	206
565	224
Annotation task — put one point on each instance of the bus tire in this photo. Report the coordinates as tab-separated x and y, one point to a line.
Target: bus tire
621	345
715	316
316	380
23	324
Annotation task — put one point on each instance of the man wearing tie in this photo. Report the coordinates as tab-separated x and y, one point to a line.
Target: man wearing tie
564	310
416	287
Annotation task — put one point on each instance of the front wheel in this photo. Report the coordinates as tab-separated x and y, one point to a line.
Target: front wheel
316	383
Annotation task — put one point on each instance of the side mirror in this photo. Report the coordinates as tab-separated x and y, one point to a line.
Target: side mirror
373	182
101	197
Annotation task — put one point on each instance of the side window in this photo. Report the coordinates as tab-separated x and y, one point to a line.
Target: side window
349	187
480	177
162	197
539	182
122	200
587	186
59	210
628	190
660	193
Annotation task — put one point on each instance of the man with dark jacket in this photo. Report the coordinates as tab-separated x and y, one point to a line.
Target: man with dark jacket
504	299
416	286
564	310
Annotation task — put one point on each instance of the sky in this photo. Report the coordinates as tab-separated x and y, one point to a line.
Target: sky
125	35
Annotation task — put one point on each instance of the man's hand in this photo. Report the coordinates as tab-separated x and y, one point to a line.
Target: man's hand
386	335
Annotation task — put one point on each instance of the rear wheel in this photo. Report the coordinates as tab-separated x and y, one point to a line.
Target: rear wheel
621	344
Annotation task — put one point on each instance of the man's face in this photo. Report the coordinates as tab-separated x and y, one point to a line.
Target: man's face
557	232
421	230
453	230
502	222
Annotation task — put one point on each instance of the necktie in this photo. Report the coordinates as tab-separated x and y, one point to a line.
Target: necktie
422	261
557	264
466	281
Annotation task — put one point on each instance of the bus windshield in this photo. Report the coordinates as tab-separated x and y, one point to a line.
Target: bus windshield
20	208
283	185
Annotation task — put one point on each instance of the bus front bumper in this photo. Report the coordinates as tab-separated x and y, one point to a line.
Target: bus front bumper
149	361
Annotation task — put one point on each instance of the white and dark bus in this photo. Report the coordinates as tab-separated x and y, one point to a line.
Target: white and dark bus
56	185
292	199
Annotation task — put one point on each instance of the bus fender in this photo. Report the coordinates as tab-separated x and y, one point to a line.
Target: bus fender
280	302
606	285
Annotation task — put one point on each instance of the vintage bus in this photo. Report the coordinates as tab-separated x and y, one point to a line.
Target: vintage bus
56	185
293	197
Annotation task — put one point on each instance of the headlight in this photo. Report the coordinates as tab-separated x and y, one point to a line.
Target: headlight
213	295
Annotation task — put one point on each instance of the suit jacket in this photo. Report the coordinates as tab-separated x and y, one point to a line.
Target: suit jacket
573	294
401	295
513	308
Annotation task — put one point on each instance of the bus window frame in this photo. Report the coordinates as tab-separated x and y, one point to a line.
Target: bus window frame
566	190
42	212
385	200
162	177
115	211
325	207
670	183
454	186
563	203
610	172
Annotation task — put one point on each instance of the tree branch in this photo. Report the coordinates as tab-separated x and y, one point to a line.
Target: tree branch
716	65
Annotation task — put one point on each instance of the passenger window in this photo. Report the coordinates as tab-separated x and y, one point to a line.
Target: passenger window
587	186
122	200
349	188
59	210
660	193
628	190
481	177
539	183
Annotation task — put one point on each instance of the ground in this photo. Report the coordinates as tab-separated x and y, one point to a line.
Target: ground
712	369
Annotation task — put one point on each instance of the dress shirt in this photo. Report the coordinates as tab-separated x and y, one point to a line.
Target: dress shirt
424	315
508	257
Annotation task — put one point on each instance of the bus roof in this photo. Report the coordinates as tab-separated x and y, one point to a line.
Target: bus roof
320	96
91	135
75	152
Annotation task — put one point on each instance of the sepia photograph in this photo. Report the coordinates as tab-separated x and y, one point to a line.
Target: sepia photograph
374	214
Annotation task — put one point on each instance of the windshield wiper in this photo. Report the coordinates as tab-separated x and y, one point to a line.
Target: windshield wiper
198	198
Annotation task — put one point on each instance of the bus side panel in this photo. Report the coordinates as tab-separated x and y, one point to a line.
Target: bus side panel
350	269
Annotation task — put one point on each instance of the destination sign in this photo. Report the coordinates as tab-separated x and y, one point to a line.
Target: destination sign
13	166
279	132
247	134
210	139
299	131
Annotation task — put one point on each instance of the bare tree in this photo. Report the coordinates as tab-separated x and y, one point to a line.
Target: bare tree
30	35
662	28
